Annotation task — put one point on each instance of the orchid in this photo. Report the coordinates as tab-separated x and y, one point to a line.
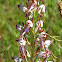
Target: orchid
17	59
29	23
41	8
42	35
44	55
40	23
21	41
47	43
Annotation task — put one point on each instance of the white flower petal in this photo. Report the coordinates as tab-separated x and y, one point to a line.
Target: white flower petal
20	60
31	8
41	7
28	53
38	39
29	22
42	54
40	23
16	59
30	16
42	35
22	42
47	43
24	9
35	2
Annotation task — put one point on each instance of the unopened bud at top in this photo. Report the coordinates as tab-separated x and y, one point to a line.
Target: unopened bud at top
22	8
21	41
16	59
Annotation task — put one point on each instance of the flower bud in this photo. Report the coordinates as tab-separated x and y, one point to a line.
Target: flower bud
22	8
21	41
19	27
16	59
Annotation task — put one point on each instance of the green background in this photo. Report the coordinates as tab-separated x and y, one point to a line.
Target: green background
10	16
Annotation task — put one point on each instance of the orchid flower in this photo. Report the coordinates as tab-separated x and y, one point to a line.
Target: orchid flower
47	43
42	35
41	8
21	41
17	59
44	55
39	23
30	24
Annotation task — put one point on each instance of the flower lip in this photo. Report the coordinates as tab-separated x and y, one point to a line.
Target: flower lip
42	54
40	23
42	35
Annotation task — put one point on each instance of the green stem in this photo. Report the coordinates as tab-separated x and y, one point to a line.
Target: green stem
32	45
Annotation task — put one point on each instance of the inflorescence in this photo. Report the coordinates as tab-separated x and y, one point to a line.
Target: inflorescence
36	47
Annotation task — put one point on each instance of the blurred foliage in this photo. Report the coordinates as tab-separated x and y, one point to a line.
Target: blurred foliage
10	15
